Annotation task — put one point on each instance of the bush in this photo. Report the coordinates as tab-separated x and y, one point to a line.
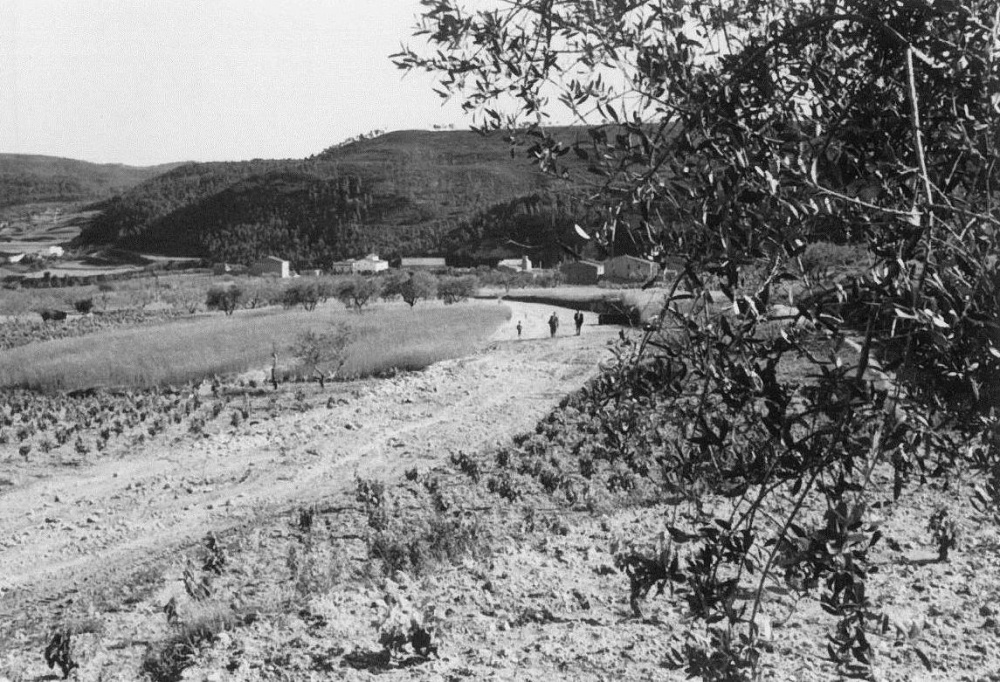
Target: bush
262	291
306	294
322	354
392	285
358	291
84	305
224	297
54	315
455	289
420	285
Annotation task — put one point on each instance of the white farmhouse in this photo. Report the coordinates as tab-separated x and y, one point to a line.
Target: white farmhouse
370	264
271	265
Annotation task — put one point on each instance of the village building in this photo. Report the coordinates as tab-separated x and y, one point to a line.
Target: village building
369	265
522	264
229	269
582	272
341	267
55	252
630	268
271	265
422	263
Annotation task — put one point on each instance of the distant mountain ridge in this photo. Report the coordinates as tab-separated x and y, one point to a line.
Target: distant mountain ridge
406	193
32	178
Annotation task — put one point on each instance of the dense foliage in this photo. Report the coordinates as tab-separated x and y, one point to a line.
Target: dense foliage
408	193
730	134
28	179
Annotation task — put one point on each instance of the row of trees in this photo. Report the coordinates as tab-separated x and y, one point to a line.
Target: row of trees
355	292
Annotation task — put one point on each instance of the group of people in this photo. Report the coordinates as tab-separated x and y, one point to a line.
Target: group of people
554	323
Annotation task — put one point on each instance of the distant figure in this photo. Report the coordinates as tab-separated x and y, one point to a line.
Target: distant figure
553	324
578	320
274	371
519	328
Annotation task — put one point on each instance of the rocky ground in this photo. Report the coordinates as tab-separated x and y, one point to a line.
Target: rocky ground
286	587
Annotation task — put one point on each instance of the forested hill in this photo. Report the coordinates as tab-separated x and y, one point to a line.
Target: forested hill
32	179
402	193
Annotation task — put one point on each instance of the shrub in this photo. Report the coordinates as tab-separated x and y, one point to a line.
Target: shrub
392	284
53	315
358	291
306	294
84	305
322	354
455	289
224	297
420	285
262	291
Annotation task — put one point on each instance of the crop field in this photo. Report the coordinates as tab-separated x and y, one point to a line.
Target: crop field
191	349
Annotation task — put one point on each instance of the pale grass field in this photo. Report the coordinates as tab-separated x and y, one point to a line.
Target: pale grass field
190	349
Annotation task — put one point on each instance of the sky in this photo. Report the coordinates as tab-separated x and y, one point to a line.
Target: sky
143	82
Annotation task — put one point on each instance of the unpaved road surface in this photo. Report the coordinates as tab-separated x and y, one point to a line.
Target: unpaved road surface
68	531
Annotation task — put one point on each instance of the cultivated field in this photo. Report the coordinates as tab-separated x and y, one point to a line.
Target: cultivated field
190	349
480	519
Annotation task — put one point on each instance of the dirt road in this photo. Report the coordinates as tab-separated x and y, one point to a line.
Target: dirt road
63	531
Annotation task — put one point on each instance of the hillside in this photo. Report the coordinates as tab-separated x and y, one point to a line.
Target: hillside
402	193
32	179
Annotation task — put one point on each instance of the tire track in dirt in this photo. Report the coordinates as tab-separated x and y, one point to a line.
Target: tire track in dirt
66	532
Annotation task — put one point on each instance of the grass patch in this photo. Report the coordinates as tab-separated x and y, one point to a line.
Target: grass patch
190	349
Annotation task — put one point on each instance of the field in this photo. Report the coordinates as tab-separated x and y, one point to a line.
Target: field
481	518
191	349
292	533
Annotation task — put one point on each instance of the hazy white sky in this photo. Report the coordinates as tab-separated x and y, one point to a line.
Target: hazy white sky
152	81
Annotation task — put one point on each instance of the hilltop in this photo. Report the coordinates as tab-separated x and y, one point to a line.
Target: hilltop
35	179
455	193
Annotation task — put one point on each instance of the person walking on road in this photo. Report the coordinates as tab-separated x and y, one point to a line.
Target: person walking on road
553	324
519	328
578	319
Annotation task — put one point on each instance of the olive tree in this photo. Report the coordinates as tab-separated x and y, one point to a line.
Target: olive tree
224	297
420	286
358	292
323	354
731	135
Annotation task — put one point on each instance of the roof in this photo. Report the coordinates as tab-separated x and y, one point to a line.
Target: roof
635	258
274	259
422	261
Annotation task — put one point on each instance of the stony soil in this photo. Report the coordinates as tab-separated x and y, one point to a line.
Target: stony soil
101	549
78	534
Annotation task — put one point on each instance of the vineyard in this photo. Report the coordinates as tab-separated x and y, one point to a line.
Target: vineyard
536	551
117	546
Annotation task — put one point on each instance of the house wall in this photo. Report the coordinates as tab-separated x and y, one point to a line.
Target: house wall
629	268
581	273
369	266
270	267
422	263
